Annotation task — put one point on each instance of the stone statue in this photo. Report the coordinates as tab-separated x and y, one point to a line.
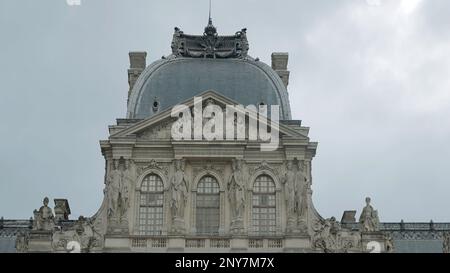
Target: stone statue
331	238
178	189
446	244
44	218
117	190
81	237
335	226
290	181
84	235
236	190
128	177
302	188
389	243
323	239
22	242
369	221
113	189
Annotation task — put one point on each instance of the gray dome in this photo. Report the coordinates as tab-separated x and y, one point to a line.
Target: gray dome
168	82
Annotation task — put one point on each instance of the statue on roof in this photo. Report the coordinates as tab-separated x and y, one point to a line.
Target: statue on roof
369	221
44	218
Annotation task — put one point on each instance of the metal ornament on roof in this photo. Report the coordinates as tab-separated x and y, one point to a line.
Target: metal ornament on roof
210	44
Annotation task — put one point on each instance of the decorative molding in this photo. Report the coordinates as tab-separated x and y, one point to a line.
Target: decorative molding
208	167
210	44
152	165
161	130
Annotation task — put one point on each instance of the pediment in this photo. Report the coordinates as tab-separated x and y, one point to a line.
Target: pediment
159	126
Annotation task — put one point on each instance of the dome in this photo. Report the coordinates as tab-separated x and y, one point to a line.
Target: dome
204	63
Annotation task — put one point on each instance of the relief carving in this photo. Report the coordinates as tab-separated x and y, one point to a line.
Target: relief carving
81	237
159	131
330	238
152	165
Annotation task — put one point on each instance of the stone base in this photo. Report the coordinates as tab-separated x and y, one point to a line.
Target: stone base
302	225
237	226
298	227
291	225
297	244
117	244
118	228
40	241
178	226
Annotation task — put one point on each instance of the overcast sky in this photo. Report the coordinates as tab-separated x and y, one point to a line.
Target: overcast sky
370	77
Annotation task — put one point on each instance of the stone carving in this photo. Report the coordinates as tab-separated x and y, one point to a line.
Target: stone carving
210	44
44	218
82	233
290	182
85	235
303	187
296	188
152	165
323	239
265	166
208	167
112	189
159	131
179	185
389	243
236	195
129	175
369	221
22	242
329	237
119	181
335	226
446	244
62	209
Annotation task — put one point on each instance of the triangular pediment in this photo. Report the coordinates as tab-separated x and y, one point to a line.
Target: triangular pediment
159	126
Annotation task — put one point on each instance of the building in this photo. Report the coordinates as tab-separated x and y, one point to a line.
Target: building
164	194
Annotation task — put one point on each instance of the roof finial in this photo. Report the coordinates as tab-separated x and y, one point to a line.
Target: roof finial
210	28
210	19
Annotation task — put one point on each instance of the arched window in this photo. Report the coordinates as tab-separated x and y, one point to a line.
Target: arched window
264	206
208	206
151	206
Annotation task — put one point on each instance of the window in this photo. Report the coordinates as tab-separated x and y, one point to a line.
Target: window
208	206
264	206
151	206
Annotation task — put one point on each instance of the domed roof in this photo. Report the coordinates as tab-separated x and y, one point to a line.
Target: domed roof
194	68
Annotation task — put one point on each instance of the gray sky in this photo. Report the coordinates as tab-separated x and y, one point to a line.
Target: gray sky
370	77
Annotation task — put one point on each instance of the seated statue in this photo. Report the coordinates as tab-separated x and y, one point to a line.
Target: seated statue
44	217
